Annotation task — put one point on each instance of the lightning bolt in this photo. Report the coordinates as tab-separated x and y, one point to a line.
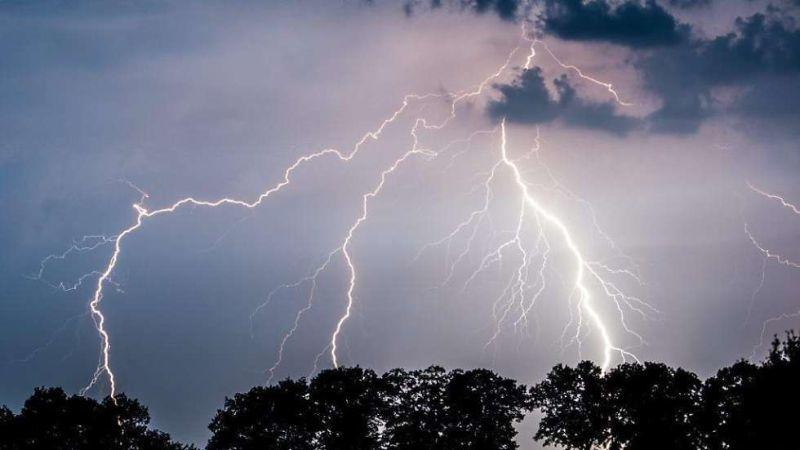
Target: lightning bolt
582	266
85	244
577	70
769	255
419	123
312	281
775	197
609	87
765	326
588	276
348	240
142	214
50	341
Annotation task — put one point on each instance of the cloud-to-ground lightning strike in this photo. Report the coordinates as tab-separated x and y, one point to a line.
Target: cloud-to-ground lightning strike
513	290
769	255
586	276
348	239
104	366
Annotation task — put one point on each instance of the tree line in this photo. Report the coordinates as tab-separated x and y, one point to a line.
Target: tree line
648	406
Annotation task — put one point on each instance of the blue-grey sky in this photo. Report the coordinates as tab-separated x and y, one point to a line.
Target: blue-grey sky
217	99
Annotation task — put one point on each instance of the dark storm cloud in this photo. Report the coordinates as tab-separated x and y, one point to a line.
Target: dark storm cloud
505	9
528	101
776	100
759	58
762	50
593	115
631	23
688	4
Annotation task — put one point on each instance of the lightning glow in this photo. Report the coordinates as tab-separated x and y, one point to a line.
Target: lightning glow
775	197
769	255
582	267
589	286
577	70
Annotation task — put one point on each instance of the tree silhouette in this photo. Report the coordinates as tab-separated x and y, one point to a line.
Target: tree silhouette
52	420
652	406
748	406
353	408
646	406
415	408
726	419
776	398
433	409
575	412
6	427
279	417
339	409
633	406
482	409
347	402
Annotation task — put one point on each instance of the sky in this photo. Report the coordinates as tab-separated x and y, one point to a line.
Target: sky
646	136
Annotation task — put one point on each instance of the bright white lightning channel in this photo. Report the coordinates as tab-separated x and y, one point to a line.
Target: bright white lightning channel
769	255
586	273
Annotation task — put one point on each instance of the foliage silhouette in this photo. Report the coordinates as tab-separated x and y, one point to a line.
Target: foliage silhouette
652	406
279	417
748	406
353	408
348	403
572	401
648	406
54	421
482	409
415	405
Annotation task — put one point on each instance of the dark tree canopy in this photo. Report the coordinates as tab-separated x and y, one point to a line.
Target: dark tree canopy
52	420
727	398
652	406
575	414
415	408
279	417
347	402
482	409
648	406
354	409
748	406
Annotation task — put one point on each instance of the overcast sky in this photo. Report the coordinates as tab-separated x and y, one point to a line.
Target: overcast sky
217	99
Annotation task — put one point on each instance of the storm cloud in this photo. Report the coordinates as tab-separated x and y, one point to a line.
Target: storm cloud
217	99
688	4
758	59
632	24
505	9
528	101
762	50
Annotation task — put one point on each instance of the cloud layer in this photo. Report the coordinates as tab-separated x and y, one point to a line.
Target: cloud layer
528	101
632	24
751	72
